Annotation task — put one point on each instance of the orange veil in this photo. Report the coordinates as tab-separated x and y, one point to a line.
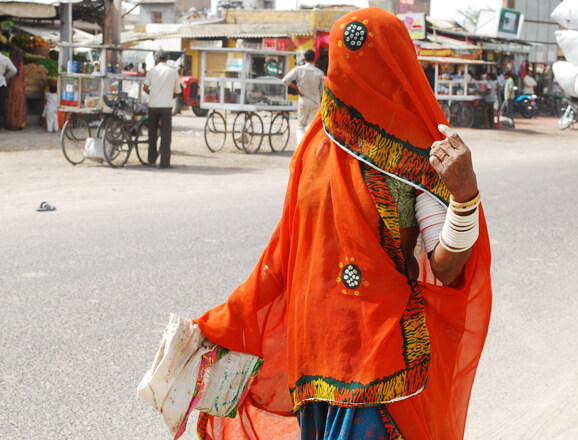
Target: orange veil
328	306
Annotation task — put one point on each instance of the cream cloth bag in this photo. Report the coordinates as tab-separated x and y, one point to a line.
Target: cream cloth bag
186	375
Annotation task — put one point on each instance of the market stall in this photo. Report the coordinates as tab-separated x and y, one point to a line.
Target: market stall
100	99
245	83
38	72
461	95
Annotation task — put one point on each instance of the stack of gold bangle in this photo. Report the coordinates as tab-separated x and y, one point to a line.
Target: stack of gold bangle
465	206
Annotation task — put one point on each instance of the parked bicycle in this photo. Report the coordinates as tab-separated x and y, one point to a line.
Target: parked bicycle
124	130
120	132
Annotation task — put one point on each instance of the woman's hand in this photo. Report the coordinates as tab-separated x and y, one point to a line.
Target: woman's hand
452	160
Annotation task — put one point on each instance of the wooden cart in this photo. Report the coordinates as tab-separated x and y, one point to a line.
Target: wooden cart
243	91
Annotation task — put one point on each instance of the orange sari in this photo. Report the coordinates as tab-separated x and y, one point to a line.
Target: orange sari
329	306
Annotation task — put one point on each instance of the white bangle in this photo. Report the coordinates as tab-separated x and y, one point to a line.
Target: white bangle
459	233
430	217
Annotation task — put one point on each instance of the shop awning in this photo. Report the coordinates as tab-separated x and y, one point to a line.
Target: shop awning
22	9
32	8
271	30
498	46
441	46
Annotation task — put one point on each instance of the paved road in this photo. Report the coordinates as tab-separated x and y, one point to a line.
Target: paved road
86	290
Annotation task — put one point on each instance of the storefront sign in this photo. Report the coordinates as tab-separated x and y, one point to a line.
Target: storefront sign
510	23
415	24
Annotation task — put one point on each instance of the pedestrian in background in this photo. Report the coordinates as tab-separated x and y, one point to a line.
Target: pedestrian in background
15	118
7	70
490	100
529	84
508	104
309	83
50	111
501	84
162	84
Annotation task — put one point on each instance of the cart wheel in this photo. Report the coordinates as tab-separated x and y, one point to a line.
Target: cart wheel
73	139
252	133
141	142
279	132
116	143
238	123
215	131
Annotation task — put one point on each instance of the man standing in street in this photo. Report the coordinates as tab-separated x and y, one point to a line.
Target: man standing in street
508	105
7	70
310	82
162	84
529	84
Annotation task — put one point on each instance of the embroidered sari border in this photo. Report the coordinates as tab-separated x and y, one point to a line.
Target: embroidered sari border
401	385
381	150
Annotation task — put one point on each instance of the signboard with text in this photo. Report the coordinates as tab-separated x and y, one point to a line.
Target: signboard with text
510	23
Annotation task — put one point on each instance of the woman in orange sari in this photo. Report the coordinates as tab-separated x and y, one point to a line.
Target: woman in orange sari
365	330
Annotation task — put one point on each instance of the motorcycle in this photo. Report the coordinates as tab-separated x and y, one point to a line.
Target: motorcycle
569	116
525	105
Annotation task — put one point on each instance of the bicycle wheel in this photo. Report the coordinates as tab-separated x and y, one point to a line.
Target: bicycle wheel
215	131
238	123
279	132
116	143
73	139
141	142
252	133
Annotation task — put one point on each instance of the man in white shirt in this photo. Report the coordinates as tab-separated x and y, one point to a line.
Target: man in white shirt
310	82
529	84
162	85
7	70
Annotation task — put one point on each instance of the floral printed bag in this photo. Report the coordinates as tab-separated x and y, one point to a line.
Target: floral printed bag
187	374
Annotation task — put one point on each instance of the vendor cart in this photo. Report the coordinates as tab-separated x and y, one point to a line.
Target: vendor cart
459	98
102	101
243	91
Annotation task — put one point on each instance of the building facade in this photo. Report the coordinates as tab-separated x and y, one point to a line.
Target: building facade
157	12
538	28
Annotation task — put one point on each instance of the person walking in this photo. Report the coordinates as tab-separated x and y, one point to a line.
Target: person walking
162	84
361	339
7	71
309	83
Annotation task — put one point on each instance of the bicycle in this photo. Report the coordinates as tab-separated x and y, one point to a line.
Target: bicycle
122	132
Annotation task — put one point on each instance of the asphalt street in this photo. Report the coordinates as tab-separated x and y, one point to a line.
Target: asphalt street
86	290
